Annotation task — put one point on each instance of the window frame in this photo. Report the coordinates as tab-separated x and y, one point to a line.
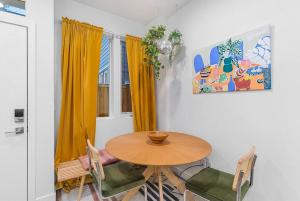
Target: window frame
123	114
111	69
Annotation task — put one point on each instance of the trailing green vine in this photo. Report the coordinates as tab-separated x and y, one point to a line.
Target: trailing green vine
175	38
152	50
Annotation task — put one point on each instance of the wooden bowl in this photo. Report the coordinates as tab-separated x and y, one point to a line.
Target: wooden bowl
157	137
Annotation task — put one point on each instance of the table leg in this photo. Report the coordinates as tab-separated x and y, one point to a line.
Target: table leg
150	170
173	179
147	174
176	182
161	198
155	176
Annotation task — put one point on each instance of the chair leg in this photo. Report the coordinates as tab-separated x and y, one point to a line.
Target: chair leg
80	188
146	192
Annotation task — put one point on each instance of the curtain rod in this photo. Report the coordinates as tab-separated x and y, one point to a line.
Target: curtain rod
107	32
114	35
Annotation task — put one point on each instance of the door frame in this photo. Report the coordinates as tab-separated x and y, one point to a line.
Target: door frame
31	97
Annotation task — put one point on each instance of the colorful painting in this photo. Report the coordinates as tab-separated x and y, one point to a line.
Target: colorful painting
240	63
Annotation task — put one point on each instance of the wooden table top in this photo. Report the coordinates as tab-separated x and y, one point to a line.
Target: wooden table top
177	149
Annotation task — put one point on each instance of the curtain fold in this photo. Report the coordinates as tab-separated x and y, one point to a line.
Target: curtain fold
80	60
142	86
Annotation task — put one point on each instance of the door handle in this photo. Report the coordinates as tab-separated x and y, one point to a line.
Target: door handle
9	132
18	130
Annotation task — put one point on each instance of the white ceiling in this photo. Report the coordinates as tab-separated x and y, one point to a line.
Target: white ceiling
142	11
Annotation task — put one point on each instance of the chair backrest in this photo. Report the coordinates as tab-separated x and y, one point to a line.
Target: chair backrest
95	160
244	166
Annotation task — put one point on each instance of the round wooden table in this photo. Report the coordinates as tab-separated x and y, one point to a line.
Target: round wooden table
177	149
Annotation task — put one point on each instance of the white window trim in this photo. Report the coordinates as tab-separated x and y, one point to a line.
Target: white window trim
111	67
115	93
111	63
122	114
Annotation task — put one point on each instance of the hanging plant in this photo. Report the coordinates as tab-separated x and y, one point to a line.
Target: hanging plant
151	49
175	38
157	44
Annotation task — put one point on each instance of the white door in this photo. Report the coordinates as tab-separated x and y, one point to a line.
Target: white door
13	102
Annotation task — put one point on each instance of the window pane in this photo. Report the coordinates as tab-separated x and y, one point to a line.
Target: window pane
13	6
104	78
126	97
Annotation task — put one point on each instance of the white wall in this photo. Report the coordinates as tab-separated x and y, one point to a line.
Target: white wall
223	119
41	13
232	122
116	124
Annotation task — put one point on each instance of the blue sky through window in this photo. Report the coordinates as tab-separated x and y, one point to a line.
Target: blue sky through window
13	9
124	64
104	70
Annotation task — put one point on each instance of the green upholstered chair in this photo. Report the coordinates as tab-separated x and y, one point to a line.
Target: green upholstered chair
115	178
216	185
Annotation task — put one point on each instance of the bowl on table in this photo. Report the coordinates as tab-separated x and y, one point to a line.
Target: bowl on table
157	137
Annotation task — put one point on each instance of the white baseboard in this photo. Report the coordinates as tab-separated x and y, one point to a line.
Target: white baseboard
49	197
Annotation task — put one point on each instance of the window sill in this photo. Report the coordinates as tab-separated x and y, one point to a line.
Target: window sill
126	114
123	115
104	118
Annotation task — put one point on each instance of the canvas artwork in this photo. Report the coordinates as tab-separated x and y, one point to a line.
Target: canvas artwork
240	63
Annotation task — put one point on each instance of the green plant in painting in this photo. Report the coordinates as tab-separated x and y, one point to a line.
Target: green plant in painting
149	41
231	50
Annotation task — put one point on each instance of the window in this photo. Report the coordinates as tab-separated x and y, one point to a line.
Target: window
106	91
125	87
104	77
15	7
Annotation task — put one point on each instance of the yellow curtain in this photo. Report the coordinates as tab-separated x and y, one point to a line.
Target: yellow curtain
80	60
142	86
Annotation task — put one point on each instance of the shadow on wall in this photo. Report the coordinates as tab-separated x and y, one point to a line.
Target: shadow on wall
169	85
175	84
